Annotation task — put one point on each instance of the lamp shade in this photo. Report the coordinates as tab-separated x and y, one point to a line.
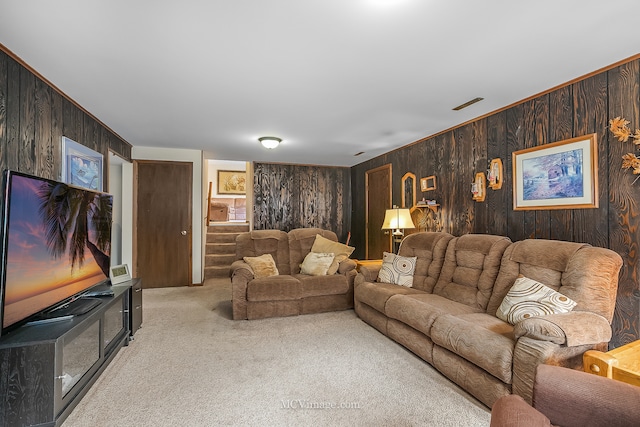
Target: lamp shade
397	218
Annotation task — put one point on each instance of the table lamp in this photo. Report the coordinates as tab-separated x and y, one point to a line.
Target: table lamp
397	219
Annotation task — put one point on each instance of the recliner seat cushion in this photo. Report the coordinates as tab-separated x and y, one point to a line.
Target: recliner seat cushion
480	338
273	288
376	294
311	286
421	310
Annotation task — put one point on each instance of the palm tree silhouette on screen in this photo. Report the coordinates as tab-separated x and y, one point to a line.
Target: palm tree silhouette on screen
67	213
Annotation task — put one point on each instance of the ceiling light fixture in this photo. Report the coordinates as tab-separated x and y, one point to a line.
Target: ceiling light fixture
269	142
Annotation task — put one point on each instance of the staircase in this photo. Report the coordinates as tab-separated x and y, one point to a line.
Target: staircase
221	248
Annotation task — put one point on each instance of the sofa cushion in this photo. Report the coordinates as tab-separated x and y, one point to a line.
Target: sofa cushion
528	298
420	310
429	248
480	338
259	242
262	266
316	264
397	269
341	251
311	286
273	288
301	241
470	268
586	274
377	294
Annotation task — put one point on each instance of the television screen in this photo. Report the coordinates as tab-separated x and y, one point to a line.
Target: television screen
56	244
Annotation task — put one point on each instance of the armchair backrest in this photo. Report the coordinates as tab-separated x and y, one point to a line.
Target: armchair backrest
470	268
429	248
586	274
300	243
260	242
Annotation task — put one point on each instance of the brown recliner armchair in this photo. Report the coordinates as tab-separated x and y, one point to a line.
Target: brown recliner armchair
567	397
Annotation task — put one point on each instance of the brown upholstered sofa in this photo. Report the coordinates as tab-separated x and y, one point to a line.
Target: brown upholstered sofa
448	316
289	293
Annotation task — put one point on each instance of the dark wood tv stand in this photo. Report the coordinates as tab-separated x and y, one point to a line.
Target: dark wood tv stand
46	369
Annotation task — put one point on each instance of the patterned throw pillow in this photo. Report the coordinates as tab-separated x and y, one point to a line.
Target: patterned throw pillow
397	269
316	264
262	266
528	298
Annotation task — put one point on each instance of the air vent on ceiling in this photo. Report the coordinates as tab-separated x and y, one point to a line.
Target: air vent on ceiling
466	104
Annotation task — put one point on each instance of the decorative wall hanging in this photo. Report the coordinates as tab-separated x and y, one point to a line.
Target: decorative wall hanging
428	183
560	175
479	187
621	131
232	182
81	166
408	190
494	174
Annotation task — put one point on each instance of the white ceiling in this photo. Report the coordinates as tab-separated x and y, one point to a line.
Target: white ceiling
330	77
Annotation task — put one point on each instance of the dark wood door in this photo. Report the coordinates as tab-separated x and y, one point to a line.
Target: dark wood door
163	223
378	188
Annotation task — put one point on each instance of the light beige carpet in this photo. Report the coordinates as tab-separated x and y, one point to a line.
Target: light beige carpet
191	365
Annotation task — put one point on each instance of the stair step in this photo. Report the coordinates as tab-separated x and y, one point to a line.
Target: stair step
221	248
222	237
211	272
228	228
219	260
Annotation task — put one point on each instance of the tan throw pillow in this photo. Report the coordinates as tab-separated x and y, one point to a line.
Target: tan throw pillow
322	245
316	264
528	298
262	266
397	269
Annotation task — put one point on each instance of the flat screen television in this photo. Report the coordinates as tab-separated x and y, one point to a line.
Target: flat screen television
56	242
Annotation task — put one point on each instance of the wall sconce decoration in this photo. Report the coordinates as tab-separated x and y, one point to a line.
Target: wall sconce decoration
479	187
494	174
428	183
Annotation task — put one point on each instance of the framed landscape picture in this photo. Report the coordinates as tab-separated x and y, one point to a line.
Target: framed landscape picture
81	166
560	175
232	182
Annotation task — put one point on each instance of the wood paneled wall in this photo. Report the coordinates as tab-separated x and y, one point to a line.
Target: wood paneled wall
580	108
33	118
295	196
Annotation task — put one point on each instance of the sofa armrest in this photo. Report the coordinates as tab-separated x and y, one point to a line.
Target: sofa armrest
513	411
346	266
572	329
370	272
241	275
241	268
574	398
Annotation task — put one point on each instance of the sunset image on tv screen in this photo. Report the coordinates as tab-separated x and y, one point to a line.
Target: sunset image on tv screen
58	244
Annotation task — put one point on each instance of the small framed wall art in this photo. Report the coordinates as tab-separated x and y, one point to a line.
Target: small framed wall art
81	166
232	182
428	183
